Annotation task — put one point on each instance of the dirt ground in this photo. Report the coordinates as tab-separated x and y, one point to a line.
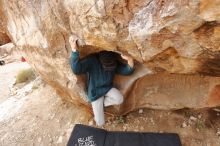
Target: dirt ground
33	114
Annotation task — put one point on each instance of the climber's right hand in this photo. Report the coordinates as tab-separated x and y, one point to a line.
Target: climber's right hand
72	41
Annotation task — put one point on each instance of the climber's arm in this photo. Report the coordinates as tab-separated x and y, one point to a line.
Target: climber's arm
78	66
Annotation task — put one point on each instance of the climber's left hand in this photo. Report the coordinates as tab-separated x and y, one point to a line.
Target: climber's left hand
72	41
129	60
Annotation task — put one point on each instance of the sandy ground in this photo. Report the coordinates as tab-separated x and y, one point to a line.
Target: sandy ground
36	115
7	76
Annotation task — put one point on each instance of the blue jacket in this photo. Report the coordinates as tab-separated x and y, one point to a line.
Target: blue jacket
99	81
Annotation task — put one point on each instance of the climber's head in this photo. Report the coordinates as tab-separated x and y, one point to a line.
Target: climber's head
108	60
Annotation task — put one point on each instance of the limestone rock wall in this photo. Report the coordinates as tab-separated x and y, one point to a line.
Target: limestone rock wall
3	35
4	39
165	36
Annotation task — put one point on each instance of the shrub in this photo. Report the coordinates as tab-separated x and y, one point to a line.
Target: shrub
120	120
25	75
200	125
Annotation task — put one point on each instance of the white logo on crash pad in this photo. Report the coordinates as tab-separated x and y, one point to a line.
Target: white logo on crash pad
86	141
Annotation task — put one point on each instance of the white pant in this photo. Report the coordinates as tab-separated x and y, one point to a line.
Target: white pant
112	97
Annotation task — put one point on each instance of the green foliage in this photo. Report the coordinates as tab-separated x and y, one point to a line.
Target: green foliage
188	114
25	75
120	120
200	125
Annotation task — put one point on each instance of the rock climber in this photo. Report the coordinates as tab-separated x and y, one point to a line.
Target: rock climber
100	69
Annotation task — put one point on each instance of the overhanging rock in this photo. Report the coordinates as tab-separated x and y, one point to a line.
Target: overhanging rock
172	36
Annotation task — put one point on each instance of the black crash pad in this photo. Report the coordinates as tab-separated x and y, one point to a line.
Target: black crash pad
83	135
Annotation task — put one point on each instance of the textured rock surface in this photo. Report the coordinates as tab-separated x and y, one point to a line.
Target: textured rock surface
172	36
6	49
4	38
3	35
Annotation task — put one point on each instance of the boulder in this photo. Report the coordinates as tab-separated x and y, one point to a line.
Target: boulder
181	37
